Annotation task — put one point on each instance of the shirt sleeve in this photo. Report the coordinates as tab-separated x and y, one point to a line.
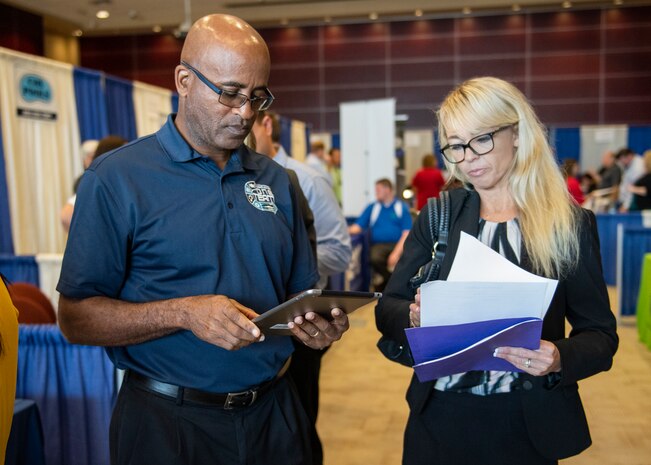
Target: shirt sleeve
304	270
406	221
94	262
365	218
333	241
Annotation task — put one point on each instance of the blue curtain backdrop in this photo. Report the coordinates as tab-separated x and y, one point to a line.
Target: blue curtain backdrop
74	387
6	239
119	107
91	104
639	138
636	242
19	268
286	133
566	143
336	141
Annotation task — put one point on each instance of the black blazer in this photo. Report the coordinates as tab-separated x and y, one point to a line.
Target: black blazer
552	408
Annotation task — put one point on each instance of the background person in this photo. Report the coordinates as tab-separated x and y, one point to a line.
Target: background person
641	189
633	169
180	239
92	150
334	168
515	201
317	159
389	221
428	181
570	171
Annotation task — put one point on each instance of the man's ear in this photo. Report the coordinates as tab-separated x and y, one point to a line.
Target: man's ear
268	125
181	76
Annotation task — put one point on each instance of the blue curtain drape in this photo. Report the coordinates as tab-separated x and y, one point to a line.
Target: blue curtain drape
607	224
308	134
639	138
175	102
91	104
636	242
6	239
336	141
566	143
286	133
74	387
119	107
19	268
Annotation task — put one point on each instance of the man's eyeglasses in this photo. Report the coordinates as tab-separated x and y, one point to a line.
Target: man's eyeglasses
235	99
480	145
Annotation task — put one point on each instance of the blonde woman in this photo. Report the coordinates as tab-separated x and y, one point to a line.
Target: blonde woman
8	364
514	200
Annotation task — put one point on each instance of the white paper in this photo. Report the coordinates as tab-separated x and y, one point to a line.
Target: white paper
483	285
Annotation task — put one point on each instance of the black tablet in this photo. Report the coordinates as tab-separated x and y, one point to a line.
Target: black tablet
275	321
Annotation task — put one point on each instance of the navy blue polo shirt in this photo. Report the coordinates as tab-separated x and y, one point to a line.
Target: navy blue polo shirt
157	220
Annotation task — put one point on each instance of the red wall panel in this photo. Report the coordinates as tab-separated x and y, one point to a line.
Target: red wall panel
493	44
422	47
570	64
423	71
20	30
294	76
564	88
354	51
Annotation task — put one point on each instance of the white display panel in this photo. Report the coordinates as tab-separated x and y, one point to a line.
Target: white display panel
367	150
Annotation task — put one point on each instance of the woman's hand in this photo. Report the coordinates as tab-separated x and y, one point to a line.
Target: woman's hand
539	362
414	311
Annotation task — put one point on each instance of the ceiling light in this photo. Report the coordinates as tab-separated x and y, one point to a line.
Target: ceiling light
102	14
157	29
567	4
418	12
618	2
78	33
284	21
373	16
516	7
466	10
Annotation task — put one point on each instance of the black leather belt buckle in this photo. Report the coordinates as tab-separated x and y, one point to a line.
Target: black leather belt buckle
240	399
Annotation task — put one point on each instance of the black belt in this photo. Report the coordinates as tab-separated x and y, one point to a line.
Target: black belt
181	394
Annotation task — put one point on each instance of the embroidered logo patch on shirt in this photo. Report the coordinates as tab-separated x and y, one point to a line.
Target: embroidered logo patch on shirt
260	196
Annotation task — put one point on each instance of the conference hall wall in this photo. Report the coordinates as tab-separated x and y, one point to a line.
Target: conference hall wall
578	67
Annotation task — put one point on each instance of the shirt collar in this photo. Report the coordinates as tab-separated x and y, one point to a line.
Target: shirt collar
389	203
281	156
180	151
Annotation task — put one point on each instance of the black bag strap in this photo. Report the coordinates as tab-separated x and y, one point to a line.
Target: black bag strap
444	226
439	228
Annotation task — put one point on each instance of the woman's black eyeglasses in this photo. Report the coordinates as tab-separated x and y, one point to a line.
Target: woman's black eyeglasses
480	145
235	99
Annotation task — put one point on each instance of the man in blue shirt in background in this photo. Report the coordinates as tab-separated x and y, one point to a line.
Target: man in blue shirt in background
389	222
178	241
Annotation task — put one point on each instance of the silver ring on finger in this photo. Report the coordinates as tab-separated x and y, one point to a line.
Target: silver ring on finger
527	363
316	334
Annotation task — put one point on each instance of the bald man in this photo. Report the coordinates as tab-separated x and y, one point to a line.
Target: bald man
179	240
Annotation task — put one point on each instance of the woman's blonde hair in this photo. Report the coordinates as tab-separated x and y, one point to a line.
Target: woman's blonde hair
547	214
647	160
